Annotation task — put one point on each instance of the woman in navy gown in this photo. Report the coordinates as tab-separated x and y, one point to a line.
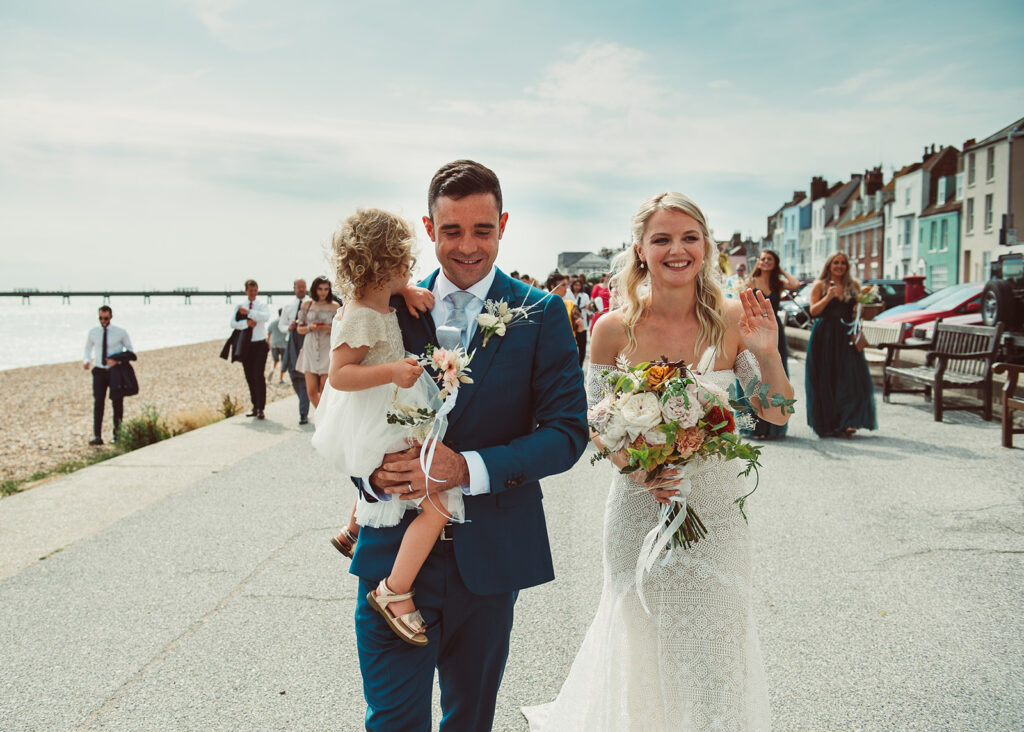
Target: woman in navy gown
840	394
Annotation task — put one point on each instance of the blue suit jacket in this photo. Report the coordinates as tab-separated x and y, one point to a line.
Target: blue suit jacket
525	414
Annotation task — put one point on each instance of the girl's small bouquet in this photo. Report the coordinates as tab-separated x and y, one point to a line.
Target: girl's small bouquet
663	415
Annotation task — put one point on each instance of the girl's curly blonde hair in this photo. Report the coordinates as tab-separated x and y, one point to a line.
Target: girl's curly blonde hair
370	248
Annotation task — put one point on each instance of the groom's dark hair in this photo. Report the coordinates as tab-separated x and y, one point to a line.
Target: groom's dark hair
462	178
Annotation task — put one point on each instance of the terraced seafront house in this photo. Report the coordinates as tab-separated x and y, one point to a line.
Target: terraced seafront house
938	245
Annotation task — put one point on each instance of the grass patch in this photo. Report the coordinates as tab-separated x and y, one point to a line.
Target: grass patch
147	428
16	485
229	407
192	419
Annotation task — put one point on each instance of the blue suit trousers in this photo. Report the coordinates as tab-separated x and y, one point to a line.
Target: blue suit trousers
468	644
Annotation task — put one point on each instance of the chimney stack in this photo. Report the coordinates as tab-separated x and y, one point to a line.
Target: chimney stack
819	187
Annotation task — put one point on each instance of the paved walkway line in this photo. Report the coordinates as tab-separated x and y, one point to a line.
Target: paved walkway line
54	515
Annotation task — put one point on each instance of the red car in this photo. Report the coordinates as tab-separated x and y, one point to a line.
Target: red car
963	304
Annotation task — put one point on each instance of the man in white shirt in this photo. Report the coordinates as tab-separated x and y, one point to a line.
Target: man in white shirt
287	324
254	314
103	341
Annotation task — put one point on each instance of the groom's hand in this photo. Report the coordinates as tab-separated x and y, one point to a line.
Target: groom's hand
400	473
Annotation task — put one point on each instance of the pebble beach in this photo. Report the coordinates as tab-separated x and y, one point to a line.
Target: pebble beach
47	410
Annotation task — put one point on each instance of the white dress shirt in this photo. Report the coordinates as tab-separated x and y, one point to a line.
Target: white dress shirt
258	312
289	313
117	341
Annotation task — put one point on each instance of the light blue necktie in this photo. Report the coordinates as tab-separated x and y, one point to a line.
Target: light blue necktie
457	302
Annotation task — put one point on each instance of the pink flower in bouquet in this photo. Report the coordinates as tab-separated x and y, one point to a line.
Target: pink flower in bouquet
684	409
599	415
443	359
688	441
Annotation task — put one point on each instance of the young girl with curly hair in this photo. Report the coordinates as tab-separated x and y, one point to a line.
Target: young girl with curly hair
370	374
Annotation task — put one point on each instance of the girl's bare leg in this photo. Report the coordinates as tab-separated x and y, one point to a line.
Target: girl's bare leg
417	542
313	389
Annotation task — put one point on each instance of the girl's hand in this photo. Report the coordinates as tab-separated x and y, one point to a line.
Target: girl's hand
758	327
418	300
405	372
662	487
833	291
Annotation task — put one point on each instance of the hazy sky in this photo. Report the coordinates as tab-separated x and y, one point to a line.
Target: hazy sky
174	143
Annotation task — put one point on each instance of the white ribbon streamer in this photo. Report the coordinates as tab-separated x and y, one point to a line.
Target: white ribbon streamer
659	538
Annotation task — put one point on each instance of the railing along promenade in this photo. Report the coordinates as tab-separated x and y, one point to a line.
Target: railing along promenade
26	295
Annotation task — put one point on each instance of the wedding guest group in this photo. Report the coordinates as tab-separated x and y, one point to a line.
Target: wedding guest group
840	393
103	342
250	321
770	279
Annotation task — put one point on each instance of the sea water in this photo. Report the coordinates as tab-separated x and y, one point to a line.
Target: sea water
47	331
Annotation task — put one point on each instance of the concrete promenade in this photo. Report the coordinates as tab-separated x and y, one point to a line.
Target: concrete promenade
190	585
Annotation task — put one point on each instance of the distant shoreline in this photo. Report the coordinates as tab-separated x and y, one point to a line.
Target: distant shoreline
49	407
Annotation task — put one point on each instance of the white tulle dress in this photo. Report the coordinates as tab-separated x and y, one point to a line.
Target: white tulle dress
694	662
352	430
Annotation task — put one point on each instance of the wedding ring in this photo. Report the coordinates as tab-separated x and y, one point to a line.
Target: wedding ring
409	486
765	315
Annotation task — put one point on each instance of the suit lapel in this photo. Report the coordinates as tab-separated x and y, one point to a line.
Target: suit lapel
483	358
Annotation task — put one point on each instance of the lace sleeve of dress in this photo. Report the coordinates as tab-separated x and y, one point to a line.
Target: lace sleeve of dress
597	383
357	327
746	368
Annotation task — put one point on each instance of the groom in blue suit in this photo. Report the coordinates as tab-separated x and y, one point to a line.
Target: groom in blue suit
523	418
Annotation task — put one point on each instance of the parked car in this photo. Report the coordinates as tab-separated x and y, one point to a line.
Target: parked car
924	331
951	293
1003	299
966	301
893	291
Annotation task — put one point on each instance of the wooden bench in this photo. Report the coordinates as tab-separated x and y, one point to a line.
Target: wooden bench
878	335
958	357
1011	402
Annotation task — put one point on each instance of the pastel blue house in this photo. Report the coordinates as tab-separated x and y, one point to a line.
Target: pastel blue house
938	247
796	215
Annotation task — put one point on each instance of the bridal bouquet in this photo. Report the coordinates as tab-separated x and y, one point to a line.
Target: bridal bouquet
663	415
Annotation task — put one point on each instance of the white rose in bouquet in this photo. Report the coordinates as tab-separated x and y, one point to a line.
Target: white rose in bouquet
641	412
655	437
684	409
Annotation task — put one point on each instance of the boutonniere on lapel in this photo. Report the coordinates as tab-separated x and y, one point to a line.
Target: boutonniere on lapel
497	317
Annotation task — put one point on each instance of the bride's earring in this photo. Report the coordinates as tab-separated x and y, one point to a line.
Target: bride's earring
640	263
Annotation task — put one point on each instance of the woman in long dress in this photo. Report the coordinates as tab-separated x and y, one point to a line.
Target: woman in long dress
840	393
315	319
693	662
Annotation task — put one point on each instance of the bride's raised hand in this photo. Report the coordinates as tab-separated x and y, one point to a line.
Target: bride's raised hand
759	328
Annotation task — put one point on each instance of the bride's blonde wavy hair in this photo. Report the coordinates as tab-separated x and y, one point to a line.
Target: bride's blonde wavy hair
633	286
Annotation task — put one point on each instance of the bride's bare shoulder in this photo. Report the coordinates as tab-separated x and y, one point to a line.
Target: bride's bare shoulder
732	310
608	339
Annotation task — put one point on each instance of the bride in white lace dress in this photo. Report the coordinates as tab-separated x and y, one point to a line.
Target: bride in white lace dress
693	662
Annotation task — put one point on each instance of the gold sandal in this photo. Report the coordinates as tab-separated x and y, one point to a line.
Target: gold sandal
347	546
409	627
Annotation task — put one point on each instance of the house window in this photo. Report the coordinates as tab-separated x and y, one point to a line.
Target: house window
986	260
932	237
990	164
938	276
970	169
874	244
907	231
907	196
969	224
988	212
944	236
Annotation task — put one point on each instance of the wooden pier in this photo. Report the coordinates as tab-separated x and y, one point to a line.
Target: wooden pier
26	295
